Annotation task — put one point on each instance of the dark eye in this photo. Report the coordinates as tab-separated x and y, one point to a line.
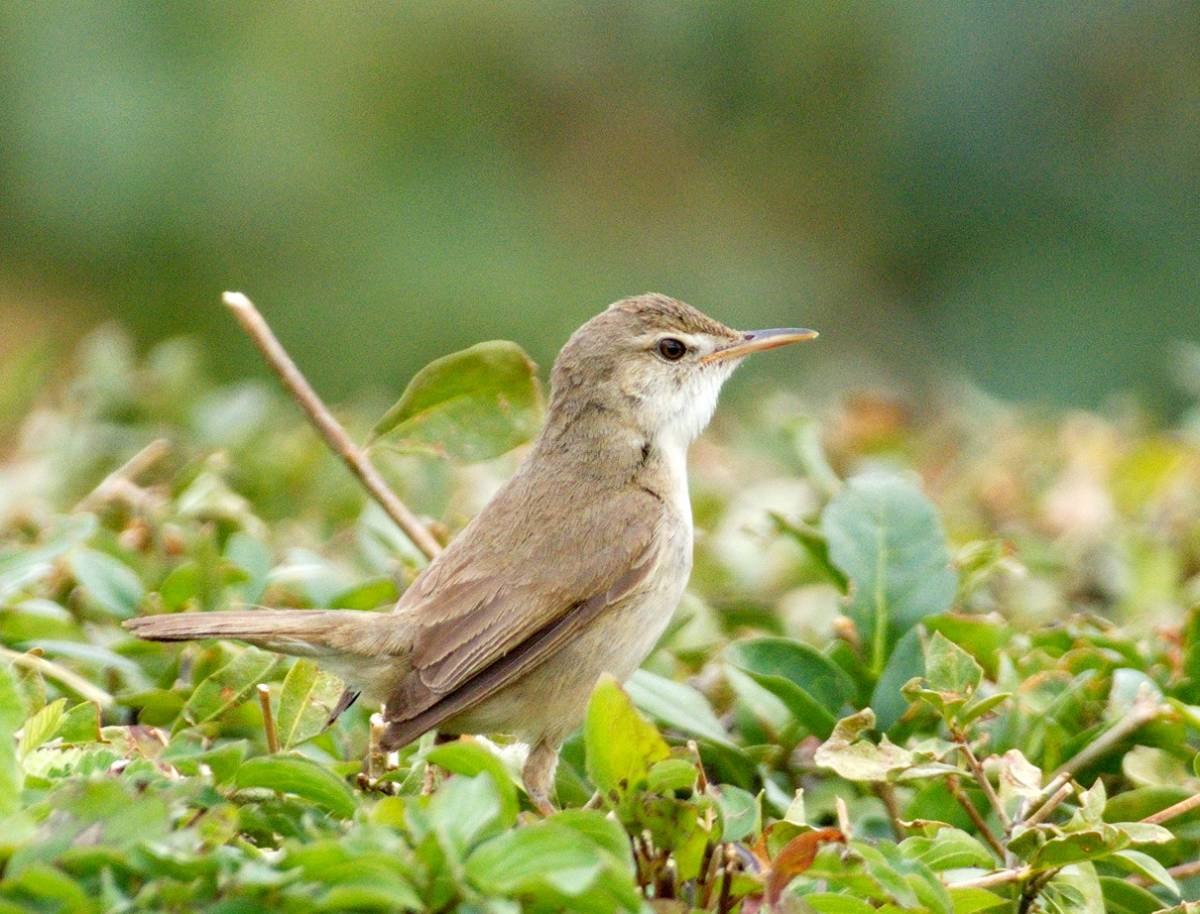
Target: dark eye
671	349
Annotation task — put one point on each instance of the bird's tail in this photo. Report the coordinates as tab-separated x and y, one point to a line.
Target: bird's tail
300	632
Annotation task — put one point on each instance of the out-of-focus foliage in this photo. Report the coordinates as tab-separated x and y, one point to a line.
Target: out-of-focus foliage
946	663
1007	191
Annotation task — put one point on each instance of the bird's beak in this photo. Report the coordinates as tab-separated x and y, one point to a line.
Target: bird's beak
760	341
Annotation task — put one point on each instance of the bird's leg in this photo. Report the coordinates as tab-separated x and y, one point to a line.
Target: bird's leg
538	775
430	778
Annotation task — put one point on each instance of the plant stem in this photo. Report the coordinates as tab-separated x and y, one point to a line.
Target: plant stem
52	670
126	473
1043	811
1171	812
323	421
264	701
887	793
1144	710
982	779
1003	877
965	802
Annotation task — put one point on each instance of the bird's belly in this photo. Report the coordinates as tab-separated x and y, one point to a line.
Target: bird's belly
549	701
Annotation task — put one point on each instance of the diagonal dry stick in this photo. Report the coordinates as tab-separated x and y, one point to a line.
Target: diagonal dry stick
324	422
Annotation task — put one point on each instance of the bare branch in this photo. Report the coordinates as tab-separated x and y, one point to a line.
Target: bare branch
965	802
264	701
1172	812
1043	811
52	670
323	421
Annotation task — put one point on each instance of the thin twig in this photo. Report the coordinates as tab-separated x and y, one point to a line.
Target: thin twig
982	779
1142	712
1180	871
965	802
52	670
1042	812
1172	812
887	793
124	475
264	700
323	421
1003	877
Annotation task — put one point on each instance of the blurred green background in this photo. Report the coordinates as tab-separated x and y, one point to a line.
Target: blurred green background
1008	193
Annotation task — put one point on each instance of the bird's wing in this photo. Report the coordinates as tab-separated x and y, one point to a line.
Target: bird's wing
487	616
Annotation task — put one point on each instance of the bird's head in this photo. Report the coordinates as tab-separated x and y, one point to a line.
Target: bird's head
657	363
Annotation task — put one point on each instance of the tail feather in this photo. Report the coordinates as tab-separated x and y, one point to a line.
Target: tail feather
300	632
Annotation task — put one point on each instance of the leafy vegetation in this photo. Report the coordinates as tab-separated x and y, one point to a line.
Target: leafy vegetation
947	664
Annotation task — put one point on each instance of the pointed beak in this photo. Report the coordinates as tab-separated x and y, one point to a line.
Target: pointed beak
760	341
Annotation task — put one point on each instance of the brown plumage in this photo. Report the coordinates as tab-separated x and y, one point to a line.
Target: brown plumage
572	570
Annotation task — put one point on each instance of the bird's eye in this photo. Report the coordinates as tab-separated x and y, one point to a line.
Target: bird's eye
671	349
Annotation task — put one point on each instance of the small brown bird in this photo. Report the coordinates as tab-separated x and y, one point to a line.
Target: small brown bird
572	570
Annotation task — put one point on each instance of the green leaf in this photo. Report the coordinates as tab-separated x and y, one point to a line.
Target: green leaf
12	715
108	583
301	776
306	700
833	903
228	686
81	724
951	678
1145	865
670	775
1122	897
464	811
621	744
885	536
906	661
553	862
969	900
949	849
676	705
470	759
41	726
472	405
741	813
813	687
858	759
815	545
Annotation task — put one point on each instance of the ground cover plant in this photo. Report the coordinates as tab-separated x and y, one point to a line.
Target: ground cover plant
944	660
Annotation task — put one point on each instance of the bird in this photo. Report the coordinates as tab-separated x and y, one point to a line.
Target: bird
571	571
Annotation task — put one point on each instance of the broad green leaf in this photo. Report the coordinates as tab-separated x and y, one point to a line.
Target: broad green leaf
306	700
815	545
108	583
1145	865
671	774
676	705
832	903
469	759
814	688
1123	897
81	724
301	776
464	811
12	715
885	536
472	405
969	900
621	745
741	813
41	726
228	686
858	759
948	849
561	865
906	661
951	678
